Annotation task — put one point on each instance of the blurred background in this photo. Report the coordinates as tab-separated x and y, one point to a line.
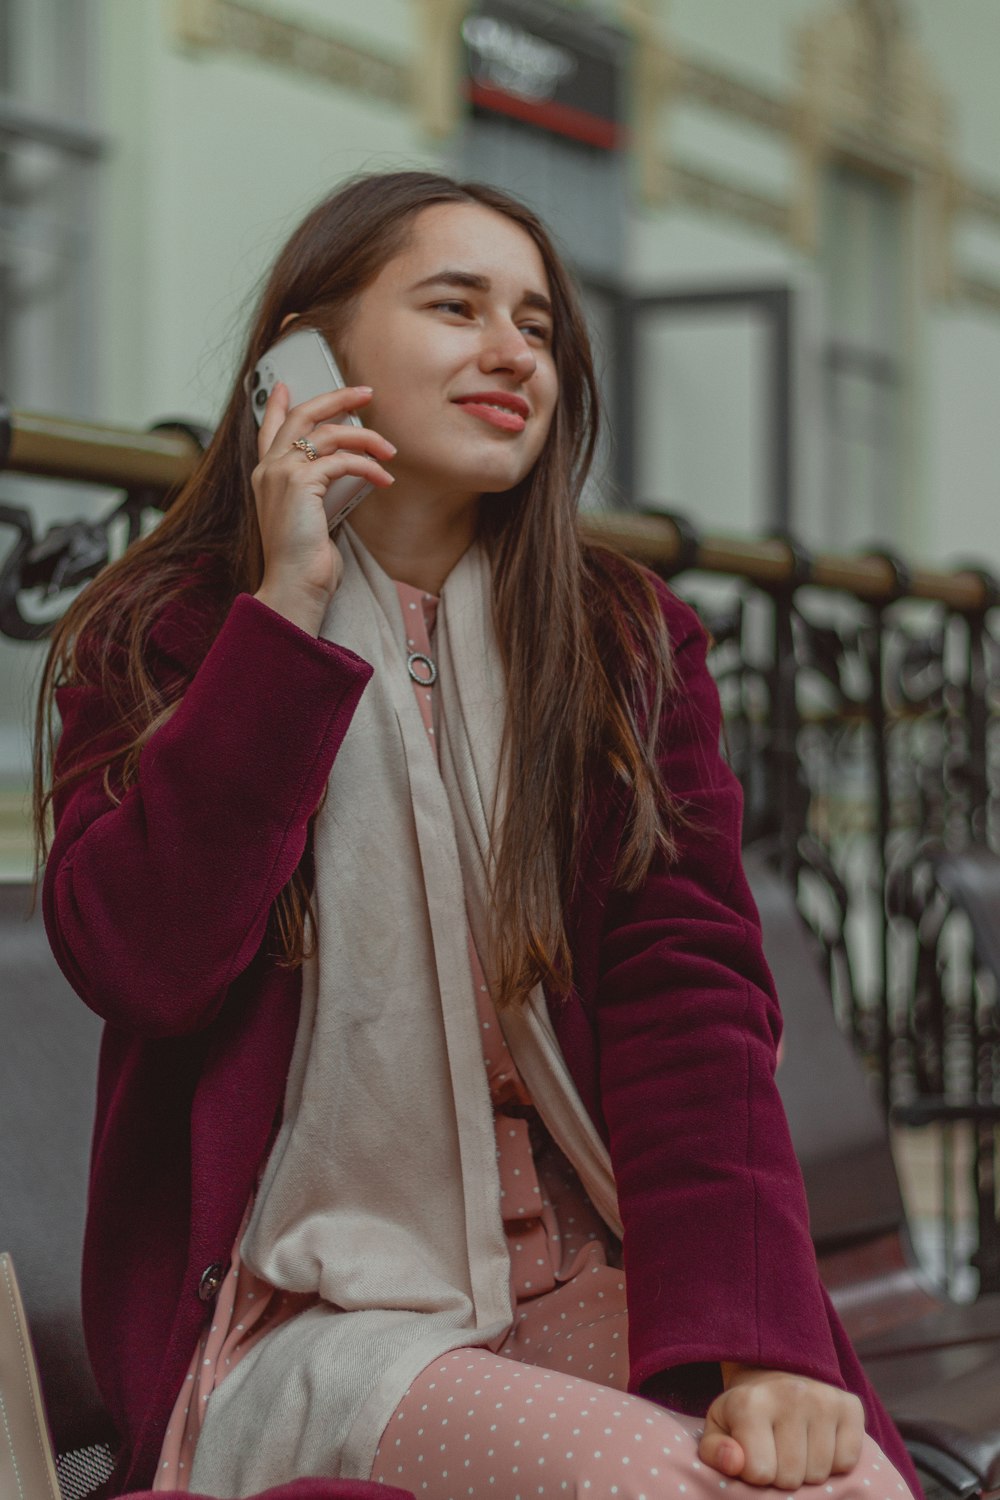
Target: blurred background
785	219
785	215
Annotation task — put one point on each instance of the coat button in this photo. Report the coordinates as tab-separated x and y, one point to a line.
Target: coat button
211	1280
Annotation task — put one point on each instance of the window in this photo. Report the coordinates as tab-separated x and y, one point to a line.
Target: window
864	355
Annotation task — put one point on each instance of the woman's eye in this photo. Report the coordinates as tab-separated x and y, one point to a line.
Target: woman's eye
462	309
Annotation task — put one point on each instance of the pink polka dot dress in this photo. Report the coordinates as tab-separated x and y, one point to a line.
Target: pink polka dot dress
547	1414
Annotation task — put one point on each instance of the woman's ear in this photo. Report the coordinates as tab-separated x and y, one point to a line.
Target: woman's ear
288	318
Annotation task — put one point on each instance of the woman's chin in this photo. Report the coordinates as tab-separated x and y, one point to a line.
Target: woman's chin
473	480
494	478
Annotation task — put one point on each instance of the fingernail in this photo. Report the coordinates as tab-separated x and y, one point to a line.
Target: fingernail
391	447
366	389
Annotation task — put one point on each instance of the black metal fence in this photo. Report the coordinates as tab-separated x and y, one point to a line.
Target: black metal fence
862	704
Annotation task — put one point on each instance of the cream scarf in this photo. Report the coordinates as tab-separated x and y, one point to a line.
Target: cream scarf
382	1191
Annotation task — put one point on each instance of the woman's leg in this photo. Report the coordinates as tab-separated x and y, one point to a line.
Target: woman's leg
477	1424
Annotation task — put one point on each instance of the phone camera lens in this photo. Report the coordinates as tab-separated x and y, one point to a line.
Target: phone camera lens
255	382
261	398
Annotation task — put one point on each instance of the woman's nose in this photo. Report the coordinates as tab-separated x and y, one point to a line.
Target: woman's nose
508	351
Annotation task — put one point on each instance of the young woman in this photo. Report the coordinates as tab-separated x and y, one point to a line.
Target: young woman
437	1139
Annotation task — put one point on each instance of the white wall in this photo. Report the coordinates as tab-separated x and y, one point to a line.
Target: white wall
218	156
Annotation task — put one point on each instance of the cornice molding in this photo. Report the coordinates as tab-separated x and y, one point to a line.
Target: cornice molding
714	89
713	194
235	26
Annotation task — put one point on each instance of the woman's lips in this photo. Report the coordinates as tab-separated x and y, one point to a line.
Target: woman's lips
500	416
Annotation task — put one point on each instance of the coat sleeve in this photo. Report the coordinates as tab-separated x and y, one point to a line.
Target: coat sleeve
718	1260
153	906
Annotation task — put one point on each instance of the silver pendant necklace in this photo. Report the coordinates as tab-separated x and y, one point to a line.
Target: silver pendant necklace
428	666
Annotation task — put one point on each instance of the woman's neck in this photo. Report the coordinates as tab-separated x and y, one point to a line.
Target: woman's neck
415	544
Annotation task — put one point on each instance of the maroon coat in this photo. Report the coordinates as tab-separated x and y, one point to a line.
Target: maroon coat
156	909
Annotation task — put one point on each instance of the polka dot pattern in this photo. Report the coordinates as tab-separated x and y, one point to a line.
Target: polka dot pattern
476	1424
420	613
246	1309
566	1290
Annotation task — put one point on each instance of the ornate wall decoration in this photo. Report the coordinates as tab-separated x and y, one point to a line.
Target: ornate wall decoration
721	91
234	26
714	194
437	92
865	77
865	91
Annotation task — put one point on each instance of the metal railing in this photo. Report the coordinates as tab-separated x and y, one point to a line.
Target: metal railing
862	706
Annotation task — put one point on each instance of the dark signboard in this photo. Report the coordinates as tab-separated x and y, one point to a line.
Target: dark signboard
556	70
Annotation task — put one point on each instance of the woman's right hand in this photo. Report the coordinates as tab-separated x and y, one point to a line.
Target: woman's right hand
302	563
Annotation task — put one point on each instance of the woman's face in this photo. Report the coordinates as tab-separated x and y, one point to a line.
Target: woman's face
455	338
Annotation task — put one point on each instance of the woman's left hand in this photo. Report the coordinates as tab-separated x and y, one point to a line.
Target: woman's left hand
772	1428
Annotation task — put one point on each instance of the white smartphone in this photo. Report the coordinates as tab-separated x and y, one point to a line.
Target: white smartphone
304	361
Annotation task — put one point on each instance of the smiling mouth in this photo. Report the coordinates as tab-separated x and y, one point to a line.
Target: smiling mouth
510	415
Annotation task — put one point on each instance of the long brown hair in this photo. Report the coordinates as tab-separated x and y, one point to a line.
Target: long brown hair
584	645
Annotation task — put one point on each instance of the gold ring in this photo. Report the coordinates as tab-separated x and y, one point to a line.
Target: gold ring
307	448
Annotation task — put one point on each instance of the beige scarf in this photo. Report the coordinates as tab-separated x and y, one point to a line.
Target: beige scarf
382	1191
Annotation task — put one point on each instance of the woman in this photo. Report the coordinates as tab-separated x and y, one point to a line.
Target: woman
404	870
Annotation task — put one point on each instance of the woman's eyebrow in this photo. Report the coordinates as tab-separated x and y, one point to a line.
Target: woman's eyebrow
479	283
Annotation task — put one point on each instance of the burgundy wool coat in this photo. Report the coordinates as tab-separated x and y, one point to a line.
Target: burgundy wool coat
156	908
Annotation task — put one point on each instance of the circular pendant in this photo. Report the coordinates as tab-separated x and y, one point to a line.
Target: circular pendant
432	670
